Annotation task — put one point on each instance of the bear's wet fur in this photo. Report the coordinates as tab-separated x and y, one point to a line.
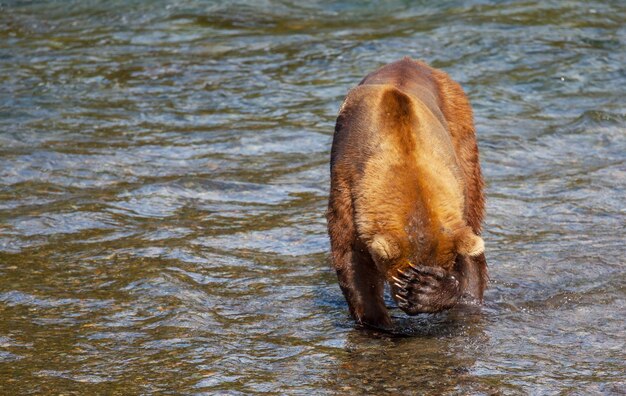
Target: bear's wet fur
406	200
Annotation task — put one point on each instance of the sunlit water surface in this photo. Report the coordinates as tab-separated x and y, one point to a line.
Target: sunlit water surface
164	175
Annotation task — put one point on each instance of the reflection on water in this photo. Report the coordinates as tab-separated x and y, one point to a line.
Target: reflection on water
164	174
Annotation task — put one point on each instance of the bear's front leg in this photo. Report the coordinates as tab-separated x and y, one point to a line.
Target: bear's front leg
363	286
423	289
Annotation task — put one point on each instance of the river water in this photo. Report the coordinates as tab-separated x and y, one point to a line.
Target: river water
164	176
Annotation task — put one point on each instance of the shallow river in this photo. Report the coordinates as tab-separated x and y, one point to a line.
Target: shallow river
164	175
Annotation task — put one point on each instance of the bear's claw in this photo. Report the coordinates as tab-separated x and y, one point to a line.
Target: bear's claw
423	289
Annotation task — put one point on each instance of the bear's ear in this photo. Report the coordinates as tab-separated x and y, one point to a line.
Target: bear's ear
383	247
468	243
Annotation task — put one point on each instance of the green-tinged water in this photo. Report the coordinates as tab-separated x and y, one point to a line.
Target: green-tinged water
164	177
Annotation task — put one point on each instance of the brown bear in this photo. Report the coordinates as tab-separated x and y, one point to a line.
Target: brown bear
406	196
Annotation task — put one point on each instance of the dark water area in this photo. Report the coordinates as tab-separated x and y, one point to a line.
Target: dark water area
164	176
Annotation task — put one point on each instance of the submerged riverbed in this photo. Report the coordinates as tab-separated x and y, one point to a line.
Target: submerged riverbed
164	175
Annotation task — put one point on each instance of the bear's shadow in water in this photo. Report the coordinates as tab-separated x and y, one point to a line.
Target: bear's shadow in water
427	354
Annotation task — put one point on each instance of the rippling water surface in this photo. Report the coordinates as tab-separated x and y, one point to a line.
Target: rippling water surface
164	174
